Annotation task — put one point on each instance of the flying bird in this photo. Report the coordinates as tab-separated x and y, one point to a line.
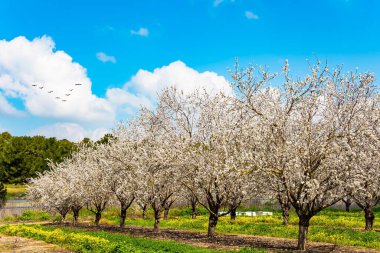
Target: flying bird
67	94
34	85
41	87
77	84
50	91
71	89
63	100
58	97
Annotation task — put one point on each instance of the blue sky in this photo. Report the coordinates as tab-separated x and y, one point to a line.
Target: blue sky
205	35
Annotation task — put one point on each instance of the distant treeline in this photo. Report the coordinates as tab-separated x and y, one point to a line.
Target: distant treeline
21	157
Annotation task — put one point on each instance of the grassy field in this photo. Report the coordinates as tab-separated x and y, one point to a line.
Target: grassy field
98	241
330	226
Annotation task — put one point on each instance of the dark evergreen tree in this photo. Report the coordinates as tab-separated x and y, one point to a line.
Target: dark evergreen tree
3	194
22	157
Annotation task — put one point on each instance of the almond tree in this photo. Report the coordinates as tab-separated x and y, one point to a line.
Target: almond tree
96	191
49	192
66	172
367	158
157	161
118	158
183	111
304	129
215	158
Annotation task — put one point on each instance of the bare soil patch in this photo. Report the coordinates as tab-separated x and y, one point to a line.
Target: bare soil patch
224	241
17	244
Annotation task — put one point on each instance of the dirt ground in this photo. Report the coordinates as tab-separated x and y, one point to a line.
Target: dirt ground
17	244
227	242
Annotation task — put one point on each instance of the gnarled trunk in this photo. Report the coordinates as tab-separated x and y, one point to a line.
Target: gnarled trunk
369	218
347	202
233	213
167	205
285	207
63	212
124	205
144	208
303	227
98	216
193	209
63	217
157	217
123	216
285	214
76	210
212	222
166	213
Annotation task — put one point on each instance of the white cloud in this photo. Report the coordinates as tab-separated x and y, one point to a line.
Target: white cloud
251	15
105	58
7	109
70	131
144	86
24	63
144	32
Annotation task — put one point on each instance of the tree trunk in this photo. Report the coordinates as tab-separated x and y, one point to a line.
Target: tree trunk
285	214
212	222
123	216
144	211
303	227
75	215
157	217
285	207
369	218
233	213
193	209
166	213
98	216
347	204
63	215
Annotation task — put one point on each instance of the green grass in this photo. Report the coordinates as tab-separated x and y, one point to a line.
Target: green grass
32	215
331	226
101	241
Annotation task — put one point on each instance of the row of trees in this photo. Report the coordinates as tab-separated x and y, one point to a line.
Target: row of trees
308	142
21	157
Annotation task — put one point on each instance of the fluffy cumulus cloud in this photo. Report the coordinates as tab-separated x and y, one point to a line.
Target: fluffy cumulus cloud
41	81
144	32
103	57
143	87
25	63
70	131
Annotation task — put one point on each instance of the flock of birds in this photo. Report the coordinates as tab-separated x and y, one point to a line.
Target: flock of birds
63	99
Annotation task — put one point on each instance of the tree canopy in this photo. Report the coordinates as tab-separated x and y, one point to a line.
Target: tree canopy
21	157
